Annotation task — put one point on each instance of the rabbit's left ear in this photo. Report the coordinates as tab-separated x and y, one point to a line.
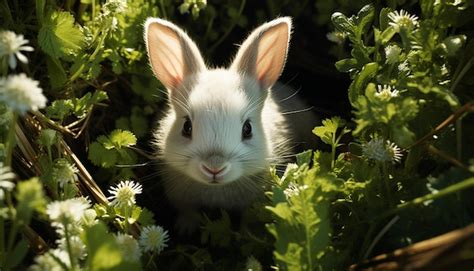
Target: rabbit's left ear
263	54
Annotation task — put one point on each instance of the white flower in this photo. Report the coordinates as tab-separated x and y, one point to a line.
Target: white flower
153	238
402	20
385	92
89	217
67	211
124	193
129	246
49	261
115	6
64	172
404	67
11	45
392	54
21	93
394	152
78	249
336	37
293	190
378	150
5	180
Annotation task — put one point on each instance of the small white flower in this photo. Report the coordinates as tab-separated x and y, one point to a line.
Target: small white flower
11	45
385	92
67	211
49	261
6	177
394	152
64	172
153	238
378	150
21	93
402	20
404	67
129	246
336	37
293	190
89	217
115	6
392	54
124	193
78	249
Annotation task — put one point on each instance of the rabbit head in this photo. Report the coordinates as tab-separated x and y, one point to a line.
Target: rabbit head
222	125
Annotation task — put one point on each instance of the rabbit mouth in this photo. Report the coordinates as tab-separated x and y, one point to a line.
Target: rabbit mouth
215	174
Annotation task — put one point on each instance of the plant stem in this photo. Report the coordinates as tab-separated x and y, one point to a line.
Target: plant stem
387	184
69	249
461	74
468	183
150	260
10	140
90	58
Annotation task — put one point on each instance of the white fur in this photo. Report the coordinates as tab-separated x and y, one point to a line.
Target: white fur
218	102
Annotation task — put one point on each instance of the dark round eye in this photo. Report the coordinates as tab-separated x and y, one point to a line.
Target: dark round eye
187	128
247	130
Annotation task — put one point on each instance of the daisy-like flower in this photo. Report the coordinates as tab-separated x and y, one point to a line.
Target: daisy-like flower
67	211
153	238
124	193
129	246
385	92
392	54
6	177
21	93
402	20
64	172
11	46
378	150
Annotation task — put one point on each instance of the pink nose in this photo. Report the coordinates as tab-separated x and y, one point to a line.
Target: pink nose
212	170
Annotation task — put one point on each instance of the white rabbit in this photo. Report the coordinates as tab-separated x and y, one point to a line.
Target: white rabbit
223	129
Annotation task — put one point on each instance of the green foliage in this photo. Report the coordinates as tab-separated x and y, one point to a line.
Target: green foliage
105	254
59	36
110	150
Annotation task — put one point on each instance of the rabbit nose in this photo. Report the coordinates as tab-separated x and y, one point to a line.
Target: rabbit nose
212	171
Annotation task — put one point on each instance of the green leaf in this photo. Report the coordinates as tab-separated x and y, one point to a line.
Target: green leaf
327	132
346	65
121	138
60	109
59	36
100	156
30	197
48	137
104	253
17	254
357	86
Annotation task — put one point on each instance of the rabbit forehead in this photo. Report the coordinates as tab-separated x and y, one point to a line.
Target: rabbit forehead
222	89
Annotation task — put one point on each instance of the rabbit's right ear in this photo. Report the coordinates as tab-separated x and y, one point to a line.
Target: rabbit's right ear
172	54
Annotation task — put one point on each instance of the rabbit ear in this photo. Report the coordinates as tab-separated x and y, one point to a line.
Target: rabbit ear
263	54
173	55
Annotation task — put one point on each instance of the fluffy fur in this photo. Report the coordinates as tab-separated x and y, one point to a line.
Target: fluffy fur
218	102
